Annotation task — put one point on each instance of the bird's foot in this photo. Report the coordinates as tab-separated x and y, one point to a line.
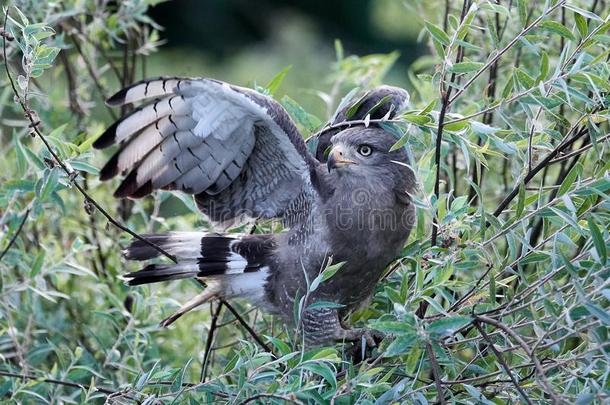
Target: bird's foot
371	337
364	340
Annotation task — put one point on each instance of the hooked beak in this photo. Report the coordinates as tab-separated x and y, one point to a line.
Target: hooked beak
336	159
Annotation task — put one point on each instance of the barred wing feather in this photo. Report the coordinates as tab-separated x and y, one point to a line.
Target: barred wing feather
235	149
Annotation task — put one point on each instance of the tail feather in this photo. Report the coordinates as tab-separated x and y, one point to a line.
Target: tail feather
199	255
182	244
154	273
231	265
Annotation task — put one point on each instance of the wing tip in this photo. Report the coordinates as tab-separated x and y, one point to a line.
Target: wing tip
129	187
111	168
107	138
118	98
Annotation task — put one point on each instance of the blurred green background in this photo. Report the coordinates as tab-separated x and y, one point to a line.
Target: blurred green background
247	42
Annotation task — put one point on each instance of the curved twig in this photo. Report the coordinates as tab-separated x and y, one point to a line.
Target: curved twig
72	384
540	370
72	175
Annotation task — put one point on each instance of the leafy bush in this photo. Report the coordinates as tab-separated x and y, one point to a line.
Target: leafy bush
501	294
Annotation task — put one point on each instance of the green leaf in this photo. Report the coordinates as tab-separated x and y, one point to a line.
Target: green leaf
428	109
496	8
534	258
524	79
444	273
277	80
566	217
379	104
476	394
544	67
22	163
347	100
84	167
395	327
466	67
331	270
557	28
328	272
522	6
88	143
48	184
401	142
521	200
582	25
416	119
401	345
598	240
492	289
351	111
508	87
339	50
599	313
37	266
323	370
437	33
569	179
308	121
448	326
456	126
413	359
584	13
325	304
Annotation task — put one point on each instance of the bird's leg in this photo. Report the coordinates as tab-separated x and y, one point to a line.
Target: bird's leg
322	325
194	302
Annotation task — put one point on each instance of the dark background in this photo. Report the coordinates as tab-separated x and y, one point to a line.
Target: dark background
224	26
248	42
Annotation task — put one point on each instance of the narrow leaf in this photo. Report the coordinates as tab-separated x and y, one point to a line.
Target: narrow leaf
598	240
437	33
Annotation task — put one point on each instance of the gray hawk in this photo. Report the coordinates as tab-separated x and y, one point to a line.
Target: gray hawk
241	156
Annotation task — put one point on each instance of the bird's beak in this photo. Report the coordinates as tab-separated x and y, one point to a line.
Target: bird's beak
336	159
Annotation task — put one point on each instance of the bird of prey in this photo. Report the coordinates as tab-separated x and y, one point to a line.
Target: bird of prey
241	156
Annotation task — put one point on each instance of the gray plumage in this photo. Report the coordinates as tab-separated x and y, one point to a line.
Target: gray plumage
239	153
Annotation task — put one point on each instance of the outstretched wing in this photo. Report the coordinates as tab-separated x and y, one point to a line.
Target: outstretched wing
235	149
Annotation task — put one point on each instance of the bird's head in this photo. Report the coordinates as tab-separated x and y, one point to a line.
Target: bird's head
365	153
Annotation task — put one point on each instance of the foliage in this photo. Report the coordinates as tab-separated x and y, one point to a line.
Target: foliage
501	294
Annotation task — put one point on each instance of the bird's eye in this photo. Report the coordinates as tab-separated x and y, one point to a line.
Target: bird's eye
365	150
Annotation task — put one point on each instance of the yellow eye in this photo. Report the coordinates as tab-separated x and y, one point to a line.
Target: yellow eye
365	150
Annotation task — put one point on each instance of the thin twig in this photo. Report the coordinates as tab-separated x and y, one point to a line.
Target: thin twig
501	52
253	398
579	151
513	264
16	235
72	384
501	360
440	394
532	173
209	341
540	370
445	96
92	74
246	326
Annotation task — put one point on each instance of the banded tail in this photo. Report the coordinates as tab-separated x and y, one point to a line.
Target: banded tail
231	265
